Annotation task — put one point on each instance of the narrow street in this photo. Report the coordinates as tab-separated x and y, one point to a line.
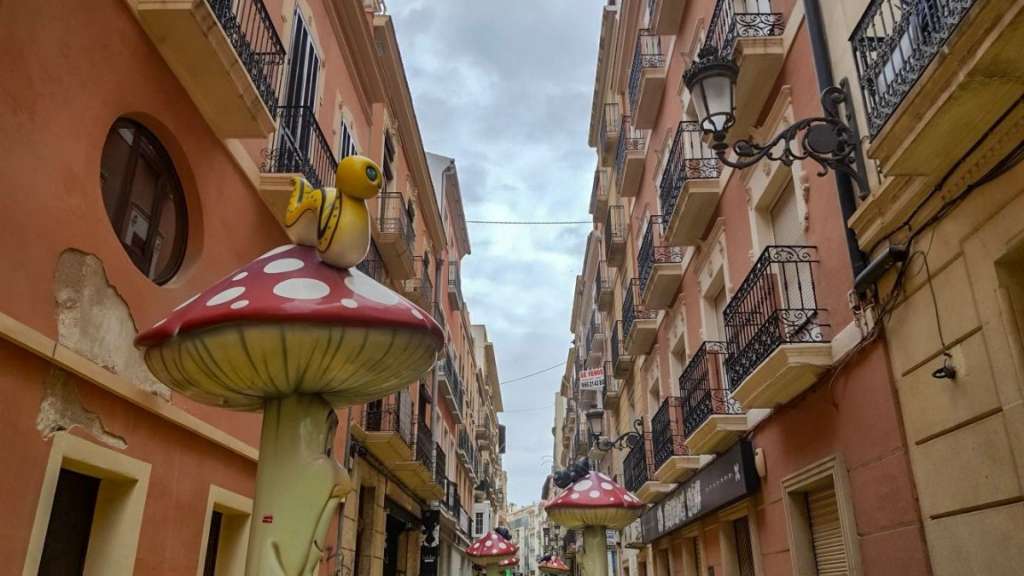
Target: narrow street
468	288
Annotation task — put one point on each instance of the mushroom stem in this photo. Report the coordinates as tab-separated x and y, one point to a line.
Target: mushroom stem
298	486
595	551
494	570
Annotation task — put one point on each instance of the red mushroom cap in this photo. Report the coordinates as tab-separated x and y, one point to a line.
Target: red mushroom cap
513	561
285	324
594	500
491	548
554	566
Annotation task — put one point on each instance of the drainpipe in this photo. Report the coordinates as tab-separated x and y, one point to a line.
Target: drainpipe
844	185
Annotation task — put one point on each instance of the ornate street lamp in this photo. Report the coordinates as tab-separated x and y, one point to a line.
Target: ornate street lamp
829	140
627	439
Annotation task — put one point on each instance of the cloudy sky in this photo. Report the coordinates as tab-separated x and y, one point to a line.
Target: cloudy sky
505	88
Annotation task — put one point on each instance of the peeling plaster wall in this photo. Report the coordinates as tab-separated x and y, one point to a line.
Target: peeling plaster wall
93	320
61	409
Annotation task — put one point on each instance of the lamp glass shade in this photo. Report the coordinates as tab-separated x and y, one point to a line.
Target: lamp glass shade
596	420
713	88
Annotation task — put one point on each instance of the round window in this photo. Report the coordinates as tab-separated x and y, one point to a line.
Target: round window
144	200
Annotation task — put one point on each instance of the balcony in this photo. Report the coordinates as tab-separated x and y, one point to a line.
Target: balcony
608	137
419	288
713	421
638	473
689	188
665	15
395	235
451	386
661	267
629	157
646	79
605	288
440	467
385	428
467	452
595	340
749	31
639	325
454	286
373	265
935	76
672	461
299	149
622	360
612	386
614	233
599	194
483	437
778	336
418	474
226	54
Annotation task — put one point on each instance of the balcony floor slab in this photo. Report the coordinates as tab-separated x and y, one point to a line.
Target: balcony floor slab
679	468
788	371
697	202
653	491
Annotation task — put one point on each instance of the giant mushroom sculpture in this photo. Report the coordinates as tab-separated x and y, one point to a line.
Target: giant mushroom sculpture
553	565
295	337
490	550
594	503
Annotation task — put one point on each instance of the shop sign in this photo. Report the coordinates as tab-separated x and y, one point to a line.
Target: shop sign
728	478
592	379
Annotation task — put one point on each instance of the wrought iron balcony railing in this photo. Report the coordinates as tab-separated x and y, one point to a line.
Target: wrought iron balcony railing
454	279
632	310
654	251
636	468
373	265
450	375
893	43
420	288
619	352
300	146
603	278
612	386
704	388
611	121
647	54
735	19
389	415
776	304
667	436
396	221
250	30
424	443
440	465
690	158
631	139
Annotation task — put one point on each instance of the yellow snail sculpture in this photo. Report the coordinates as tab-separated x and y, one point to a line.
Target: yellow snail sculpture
335	220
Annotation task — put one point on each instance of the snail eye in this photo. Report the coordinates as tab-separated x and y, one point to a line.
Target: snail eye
371	173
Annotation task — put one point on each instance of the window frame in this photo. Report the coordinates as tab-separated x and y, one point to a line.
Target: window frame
236	514
147	147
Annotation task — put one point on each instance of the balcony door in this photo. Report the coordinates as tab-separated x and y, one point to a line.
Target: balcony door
300	93
793	277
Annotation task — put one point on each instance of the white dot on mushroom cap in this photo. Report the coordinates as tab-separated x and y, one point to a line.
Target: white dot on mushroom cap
582	485
277	250
239	276
349	303
607	485
502	545
489	543
302	289
594	493
575	496
186	302
226	296
417	314
283	265
368	288
602	476
239	304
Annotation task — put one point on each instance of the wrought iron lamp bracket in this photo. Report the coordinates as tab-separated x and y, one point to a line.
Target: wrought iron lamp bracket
831	141
625	440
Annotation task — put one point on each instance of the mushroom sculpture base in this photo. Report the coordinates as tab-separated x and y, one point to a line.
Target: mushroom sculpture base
299	486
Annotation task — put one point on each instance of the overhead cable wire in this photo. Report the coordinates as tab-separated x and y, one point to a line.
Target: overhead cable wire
531	222
532	374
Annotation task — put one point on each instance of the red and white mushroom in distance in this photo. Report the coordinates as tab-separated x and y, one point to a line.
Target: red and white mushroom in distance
289	324
553	566
490	549
594	503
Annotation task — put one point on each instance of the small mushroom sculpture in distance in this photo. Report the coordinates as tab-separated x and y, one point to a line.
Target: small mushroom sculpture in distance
296	337
490	550
553	565
506	566
594	503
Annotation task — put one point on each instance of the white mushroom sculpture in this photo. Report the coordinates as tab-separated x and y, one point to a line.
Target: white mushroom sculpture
594	503
295	337
490	550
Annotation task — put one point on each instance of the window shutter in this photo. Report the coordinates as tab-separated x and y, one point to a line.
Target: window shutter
827	533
